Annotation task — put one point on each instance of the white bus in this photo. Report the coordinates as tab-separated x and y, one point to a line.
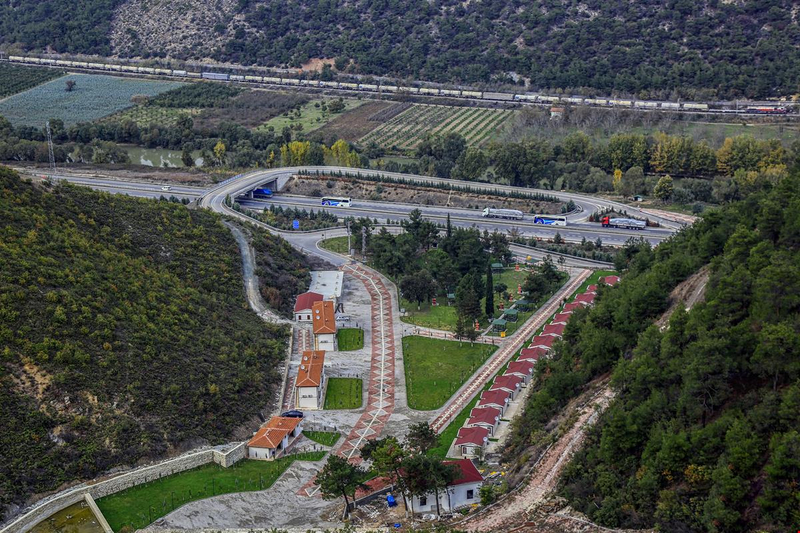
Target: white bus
336	202
550	220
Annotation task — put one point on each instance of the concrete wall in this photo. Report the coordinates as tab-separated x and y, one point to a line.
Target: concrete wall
117	483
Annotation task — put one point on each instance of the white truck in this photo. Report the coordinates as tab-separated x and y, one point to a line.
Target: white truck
627	223
513	214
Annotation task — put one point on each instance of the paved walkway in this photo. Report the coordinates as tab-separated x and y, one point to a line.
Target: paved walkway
381	383
457	403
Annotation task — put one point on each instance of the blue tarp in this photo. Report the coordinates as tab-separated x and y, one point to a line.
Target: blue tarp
390	501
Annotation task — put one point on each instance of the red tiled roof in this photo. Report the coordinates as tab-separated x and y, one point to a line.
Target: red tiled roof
306	300
610	280
562	318
483	415
540	340
586	297
493	397
519	367
506	382
323	317
472	435
469	474
531	354
271	435
310	372
591	288
554	329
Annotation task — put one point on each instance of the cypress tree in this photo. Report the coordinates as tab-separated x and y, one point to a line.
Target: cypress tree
489	290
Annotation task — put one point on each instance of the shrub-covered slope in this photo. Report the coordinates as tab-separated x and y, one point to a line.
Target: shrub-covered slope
124	333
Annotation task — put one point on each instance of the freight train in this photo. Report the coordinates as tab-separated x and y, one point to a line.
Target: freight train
492	96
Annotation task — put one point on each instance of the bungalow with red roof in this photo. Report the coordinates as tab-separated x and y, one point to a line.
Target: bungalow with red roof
561	318
610	280
487	417
274	437
554	330
302	306
464	491
522	368
572	306
542	341
471	441
586	298
495	398
531	354
591	288
512	384
324	325
310	383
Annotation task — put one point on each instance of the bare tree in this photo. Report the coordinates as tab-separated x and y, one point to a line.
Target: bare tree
70	85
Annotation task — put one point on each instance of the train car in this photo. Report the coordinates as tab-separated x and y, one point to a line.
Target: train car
81	64
368	86
115	67
51	62
473	94
35	60
162	71
348	85
181	73
487	95
194	74
429	91
62	62
290	81
670	105
236	77
271	79
215	76
16	59
330	84
621	103
389	88
450	92
767	110
644	104
695	107
96	66
254	79
548	99
412	90
573	100
127	68
526	97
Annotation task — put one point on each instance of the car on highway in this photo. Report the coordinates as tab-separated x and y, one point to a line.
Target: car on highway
294	413
165	188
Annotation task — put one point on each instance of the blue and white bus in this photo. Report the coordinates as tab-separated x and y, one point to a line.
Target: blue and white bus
336	202
550	220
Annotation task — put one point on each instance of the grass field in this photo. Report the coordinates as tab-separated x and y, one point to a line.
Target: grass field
146	115
335	244
343	393
443	316
405	131
435	368
94	97
309	118
354	124
350	339
141	505
16	78
326	438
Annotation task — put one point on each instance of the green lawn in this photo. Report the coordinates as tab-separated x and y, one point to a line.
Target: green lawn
141	505
326	438
311	116
350	339
335	244
343	393
443	316
594	279
435	368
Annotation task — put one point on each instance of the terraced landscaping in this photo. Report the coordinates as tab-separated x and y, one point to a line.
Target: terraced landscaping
404	131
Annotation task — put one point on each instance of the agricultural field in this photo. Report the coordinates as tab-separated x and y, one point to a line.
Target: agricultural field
146	115
93	97
354	124
15	78
405	131
310	116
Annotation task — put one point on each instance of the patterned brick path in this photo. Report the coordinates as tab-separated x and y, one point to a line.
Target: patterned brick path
301	343
380	388
505	352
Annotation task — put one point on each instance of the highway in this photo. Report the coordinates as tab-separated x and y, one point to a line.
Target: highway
214	198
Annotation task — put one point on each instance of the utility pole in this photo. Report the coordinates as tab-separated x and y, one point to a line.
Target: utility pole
50	150
364	241
349	249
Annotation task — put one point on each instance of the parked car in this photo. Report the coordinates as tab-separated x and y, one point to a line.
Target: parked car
294	413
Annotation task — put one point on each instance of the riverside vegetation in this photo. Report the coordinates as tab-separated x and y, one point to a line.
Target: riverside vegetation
124	333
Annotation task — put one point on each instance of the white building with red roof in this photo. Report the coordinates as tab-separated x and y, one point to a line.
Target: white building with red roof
522	368
542	341
310	383
487	417
532	354
324	325
587	298
510	384
464	491
572	306
561	318
274	437
495	398
471	441
610	280
302	306
554	330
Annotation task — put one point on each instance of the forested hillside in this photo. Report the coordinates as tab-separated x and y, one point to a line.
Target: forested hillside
669	48
703	435
124	333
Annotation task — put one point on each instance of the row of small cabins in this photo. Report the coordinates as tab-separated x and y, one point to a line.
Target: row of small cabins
484	419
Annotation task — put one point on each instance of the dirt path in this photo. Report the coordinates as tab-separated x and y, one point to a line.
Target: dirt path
687	293
544	479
